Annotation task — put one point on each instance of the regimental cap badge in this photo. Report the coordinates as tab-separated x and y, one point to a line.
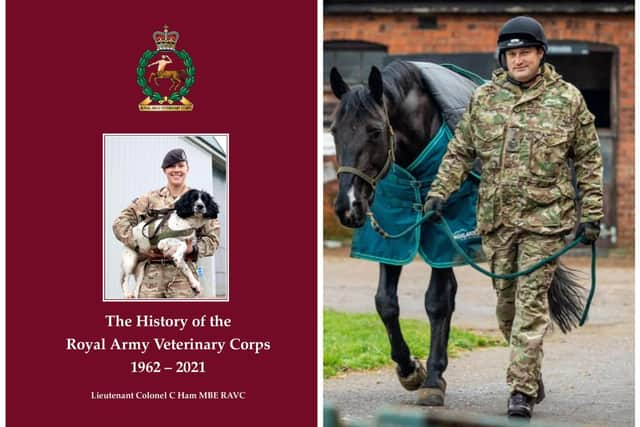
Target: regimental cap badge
165	74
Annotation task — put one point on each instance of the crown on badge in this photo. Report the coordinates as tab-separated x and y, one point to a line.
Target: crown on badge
166	40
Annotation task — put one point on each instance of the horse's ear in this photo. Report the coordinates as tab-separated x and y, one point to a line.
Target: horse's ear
338	86
375	84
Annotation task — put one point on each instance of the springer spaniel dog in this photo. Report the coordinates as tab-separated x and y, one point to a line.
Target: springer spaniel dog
168	233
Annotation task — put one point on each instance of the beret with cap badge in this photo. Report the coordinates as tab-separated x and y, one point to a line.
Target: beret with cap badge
174	156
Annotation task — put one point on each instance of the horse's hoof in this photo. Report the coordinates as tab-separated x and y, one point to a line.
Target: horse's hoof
414	380
430	397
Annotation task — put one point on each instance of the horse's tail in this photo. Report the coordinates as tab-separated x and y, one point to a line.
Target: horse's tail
152	75
566	298
182	74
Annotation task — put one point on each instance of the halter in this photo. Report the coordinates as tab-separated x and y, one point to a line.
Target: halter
391	157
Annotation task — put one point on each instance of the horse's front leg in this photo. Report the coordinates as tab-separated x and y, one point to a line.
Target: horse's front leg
410	372
439	302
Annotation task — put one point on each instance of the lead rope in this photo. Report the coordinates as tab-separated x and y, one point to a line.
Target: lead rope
444	226
592	291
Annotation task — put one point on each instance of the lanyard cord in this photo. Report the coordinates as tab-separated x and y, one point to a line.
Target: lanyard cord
444	226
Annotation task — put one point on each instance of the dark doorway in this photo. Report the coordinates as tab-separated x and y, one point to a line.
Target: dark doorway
590	69
353	59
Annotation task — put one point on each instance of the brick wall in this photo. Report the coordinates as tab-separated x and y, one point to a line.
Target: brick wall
477	33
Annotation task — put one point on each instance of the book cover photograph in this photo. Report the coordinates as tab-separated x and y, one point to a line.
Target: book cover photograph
344	213
478	213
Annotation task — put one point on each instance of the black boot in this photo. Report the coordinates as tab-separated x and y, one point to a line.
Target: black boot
520	405
541	394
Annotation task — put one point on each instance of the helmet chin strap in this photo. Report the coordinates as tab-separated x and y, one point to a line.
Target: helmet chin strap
524	85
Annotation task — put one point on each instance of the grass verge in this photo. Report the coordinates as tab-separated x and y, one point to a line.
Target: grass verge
359	341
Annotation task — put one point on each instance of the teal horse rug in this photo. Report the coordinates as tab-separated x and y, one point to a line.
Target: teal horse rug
400	195
397	205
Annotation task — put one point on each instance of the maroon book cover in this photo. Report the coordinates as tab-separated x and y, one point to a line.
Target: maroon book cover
97	94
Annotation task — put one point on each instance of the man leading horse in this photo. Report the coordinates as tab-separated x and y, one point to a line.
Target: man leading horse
525	125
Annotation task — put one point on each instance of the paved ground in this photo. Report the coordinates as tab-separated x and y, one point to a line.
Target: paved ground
589	374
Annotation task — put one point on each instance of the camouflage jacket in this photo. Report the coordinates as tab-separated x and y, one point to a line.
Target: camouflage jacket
524	139
207	235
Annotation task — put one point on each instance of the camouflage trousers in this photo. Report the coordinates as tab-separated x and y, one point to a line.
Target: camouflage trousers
165	281
522	307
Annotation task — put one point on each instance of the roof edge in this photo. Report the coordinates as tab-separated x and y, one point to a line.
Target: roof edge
482	8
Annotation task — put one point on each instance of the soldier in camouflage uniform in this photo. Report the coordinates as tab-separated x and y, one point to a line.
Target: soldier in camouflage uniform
162	279
524	125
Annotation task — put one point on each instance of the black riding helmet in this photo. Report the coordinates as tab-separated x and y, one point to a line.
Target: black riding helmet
521	31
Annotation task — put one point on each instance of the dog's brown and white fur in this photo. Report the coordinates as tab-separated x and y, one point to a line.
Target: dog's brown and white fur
192	211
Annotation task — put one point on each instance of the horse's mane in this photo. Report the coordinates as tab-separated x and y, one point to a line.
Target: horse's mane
399	79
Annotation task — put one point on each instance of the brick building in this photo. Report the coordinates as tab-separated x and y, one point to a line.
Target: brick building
591	45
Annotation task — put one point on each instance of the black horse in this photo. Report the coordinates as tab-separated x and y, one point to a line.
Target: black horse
397	100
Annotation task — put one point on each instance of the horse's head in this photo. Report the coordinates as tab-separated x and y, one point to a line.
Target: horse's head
363	143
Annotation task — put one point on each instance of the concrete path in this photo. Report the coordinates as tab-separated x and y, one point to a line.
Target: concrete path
589	374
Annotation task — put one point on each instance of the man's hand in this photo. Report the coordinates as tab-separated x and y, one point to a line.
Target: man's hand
435	205
189	243
590	232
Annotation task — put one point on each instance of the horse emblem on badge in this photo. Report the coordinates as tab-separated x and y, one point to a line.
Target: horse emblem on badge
165	74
